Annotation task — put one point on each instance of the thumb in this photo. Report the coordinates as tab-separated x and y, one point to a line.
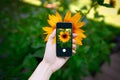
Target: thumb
51	37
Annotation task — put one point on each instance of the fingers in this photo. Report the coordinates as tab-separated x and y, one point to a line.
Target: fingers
74	35
74	43
52	35
73	51
74	46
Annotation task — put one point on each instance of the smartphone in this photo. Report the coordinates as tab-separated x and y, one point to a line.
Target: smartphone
64	39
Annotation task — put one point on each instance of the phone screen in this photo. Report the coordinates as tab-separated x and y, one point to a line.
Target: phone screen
64	39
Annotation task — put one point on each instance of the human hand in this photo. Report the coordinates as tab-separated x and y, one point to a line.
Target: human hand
50	62
50	57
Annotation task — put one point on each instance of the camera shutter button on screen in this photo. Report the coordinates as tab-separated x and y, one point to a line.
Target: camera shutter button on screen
64	50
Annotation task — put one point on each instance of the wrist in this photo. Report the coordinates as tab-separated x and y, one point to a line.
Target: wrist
46	70
42	72
47	66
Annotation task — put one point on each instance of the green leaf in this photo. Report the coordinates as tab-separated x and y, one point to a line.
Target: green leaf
29	62
100	2
39	53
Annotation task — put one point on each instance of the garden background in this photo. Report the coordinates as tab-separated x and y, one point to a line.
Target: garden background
22	40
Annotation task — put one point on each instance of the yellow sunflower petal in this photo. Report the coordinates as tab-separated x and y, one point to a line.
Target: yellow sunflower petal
51	17
78	41
61	33
48	30
47	37
67	16
80	24
80	33
52	24
76	17
54	19
58	16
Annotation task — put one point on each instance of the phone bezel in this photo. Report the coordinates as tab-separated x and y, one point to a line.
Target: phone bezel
63	25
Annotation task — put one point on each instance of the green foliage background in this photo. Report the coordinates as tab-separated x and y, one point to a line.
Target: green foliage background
22	40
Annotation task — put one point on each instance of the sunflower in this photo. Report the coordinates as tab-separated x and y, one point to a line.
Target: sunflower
64	36
76	25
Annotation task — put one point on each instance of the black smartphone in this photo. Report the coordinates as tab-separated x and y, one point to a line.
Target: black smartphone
64	39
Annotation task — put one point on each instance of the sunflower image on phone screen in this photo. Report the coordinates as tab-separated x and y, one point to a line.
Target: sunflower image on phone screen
64	38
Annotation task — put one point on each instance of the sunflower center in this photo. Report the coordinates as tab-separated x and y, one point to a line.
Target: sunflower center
64	36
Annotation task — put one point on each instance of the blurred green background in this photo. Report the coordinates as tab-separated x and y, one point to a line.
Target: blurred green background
22	42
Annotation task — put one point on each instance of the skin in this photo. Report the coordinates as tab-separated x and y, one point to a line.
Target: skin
50	62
